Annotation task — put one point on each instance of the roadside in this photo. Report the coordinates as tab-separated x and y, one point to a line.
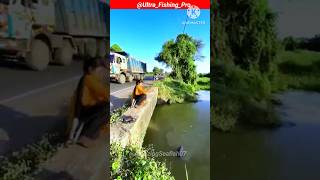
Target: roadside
31	107
120	93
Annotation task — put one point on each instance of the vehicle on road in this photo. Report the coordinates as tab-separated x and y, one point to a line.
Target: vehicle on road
42	31
124	68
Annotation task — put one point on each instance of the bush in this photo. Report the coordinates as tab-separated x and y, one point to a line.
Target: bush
132	162
224	116
203	83
290	44
175	91
237	93
117	113
300	69
24	164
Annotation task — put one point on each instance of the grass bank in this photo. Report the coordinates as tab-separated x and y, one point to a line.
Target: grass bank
24	164
174	91
241	96
133	163
203	83
300	69
247	96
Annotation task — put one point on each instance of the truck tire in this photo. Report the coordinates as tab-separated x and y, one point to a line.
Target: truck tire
122	79
102	48
81	50
40	55
130	78
91	49
63	55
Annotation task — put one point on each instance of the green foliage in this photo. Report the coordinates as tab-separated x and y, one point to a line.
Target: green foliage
157	70
175	91
117	113
246	34
243	71
203	83
132	162
24	164
180	55
225	115
116	48
290	44
237	93
300	69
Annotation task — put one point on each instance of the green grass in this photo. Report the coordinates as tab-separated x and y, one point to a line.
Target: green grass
117	113
241	96
203	83
174	91
24	164
132	162
247	96
300	69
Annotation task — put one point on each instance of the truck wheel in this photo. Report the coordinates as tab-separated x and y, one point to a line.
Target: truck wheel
122	79
91	49
102	48
63	55
81	50
39	57
130	78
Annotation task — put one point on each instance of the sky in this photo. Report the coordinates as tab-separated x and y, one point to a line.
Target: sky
142	33
298	18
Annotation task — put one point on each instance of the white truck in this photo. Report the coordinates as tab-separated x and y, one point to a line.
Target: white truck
43	31
125	68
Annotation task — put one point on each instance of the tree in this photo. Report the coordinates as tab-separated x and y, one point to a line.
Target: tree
116	48
156	70
290	44
244	32
180	54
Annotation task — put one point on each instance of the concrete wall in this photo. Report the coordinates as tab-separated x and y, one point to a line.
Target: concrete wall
134	132
78	163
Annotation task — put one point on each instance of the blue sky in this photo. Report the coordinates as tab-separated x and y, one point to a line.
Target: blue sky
143	32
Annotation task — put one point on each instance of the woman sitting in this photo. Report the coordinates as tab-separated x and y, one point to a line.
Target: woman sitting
90	111
139	94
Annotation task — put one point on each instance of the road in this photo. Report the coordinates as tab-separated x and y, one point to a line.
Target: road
116	86
33	103
119	93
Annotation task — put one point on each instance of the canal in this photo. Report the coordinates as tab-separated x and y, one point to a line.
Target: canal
289	152
186	125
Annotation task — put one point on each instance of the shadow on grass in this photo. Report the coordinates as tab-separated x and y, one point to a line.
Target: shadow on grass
293	68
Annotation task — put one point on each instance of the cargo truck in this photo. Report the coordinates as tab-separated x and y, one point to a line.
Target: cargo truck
125	68
39	32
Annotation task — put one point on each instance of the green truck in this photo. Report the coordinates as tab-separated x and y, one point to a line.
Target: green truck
40	32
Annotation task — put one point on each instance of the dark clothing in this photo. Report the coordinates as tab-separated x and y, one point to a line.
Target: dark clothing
140	98
94	117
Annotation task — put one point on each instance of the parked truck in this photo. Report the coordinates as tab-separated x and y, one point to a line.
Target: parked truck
125	68
43	31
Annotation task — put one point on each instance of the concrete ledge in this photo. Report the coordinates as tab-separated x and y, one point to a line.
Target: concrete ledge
134	132
78	163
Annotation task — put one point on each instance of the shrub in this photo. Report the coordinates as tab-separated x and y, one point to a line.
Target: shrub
175	91
24	164
132	162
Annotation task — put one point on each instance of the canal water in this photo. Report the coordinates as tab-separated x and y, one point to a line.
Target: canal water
186	125
289	152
